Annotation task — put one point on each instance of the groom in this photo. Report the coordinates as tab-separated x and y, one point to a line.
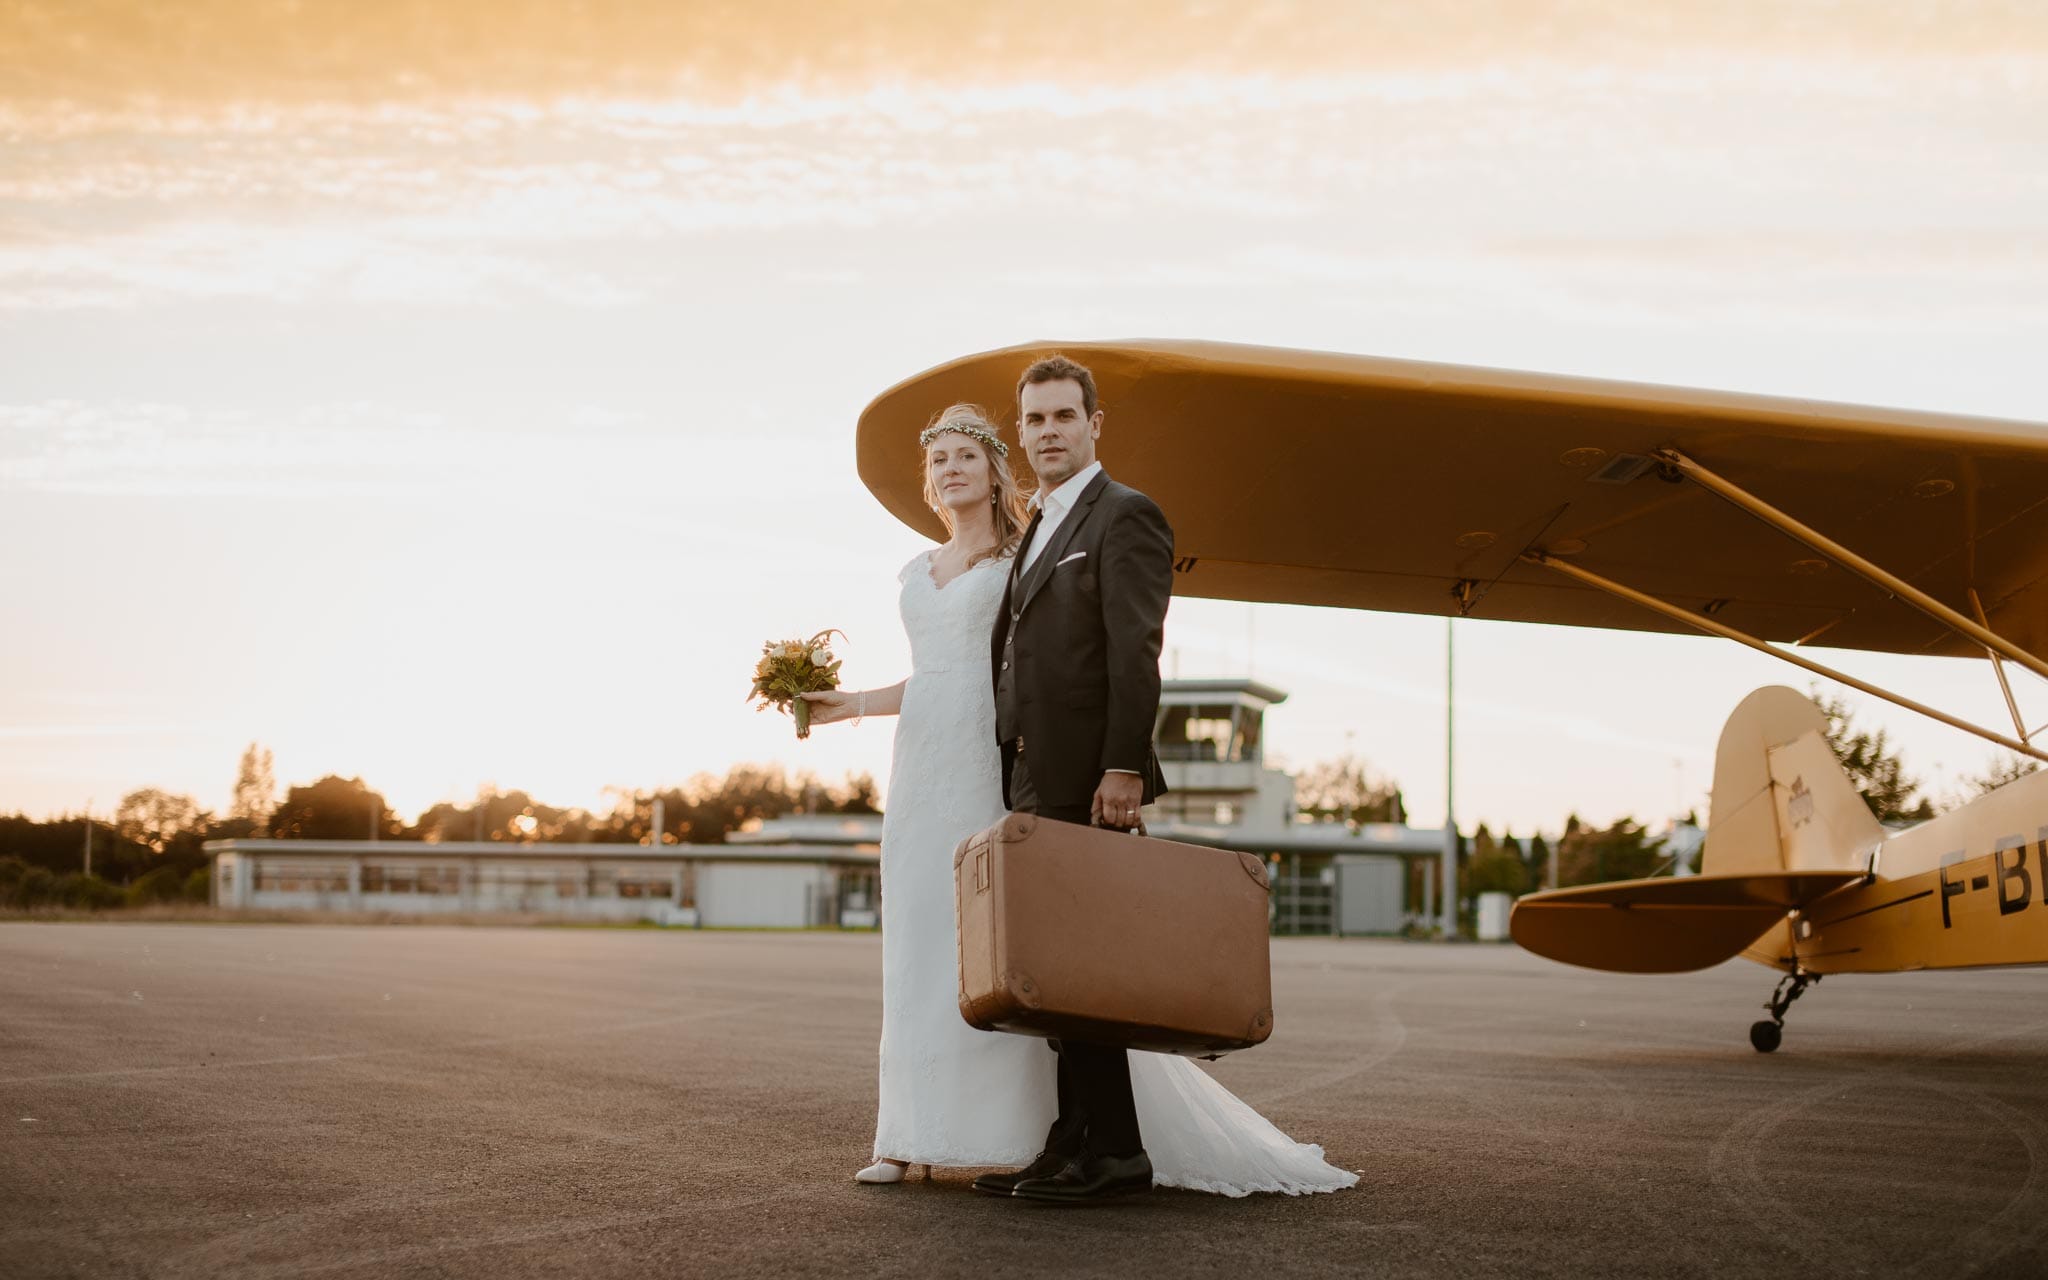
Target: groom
1076	666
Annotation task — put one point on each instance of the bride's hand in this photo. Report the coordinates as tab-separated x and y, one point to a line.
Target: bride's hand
830	705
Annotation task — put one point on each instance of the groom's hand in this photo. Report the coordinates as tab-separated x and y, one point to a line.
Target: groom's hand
1117	800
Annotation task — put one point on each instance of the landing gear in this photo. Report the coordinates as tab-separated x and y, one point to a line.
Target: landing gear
1764	1037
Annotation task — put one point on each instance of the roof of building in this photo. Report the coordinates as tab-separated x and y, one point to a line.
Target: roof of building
785	852
1180	693
813	828
1325	838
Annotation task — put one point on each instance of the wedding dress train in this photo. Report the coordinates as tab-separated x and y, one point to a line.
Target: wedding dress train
952	1095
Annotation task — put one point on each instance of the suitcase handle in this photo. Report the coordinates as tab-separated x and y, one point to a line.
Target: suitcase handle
1138	830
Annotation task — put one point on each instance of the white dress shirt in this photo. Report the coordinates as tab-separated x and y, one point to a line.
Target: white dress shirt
1056	505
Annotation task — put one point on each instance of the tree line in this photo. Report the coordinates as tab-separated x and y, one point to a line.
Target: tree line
1625	849
153	849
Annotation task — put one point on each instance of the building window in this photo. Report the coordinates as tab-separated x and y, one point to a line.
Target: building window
526	882
1205	734
285	877
1246	747
610	882
1200	808
383	879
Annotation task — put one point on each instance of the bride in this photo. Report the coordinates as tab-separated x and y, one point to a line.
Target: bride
952	1095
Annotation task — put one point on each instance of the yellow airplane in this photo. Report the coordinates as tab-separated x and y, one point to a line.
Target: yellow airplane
1293	477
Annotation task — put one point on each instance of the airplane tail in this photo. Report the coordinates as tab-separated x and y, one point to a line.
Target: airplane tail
1781	801
1787	827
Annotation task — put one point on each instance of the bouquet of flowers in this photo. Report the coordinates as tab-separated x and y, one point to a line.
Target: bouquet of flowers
791	667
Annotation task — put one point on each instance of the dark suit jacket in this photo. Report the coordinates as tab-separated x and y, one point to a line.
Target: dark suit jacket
1082	629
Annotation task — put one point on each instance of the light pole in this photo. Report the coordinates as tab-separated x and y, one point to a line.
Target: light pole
1450	862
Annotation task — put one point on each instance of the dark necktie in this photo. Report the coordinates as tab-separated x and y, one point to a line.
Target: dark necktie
1024	546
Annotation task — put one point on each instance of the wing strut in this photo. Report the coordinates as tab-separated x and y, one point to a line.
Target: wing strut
1820	542
1722	629
2019	724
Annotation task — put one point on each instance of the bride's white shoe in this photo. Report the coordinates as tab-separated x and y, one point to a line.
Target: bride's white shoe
882	1171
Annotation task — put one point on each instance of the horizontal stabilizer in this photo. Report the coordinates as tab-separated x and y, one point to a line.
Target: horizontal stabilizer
1667	924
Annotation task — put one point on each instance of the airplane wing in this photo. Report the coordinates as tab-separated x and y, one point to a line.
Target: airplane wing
1667	924
1310	478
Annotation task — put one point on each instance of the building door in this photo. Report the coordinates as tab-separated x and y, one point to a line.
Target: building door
1302	897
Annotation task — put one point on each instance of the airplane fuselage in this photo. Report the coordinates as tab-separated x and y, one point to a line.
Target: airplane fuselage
1965	890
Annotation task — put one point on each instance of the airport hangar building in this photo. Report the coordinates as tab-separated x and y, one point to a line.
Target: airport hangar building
750	882
813	870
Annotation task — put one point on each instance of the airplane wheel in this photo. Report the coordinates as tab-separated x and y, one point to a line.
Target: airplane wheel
1765	1036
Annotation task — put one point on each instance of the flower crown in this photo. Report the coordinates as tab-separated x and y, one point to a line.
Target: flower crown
968	429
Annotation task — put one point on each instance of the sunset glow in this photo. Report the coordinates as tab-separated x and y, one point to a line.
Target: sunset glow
430	391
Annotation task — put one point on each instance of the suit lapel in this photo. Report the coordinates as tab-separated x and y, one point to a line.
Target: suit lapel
1062	537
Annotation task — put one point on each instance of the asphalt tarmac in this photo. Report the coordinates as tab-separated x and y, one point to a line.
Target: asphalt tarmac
293	1100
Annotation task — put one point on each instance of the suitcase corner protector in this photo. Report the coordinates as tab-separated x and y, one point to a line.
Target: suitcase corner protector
1255	867
1022	989
965	847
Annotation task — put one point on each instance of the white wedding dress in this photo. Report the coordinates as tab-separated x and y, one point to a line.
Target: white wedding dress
952	1095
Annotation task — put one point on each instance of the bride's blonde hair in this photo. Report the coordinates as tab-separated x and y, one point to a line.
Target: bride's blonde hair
1012	510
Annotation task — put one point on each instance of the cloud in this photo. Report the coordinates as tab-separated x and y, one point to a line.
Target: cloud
589	201
52	732
658	485
206	53
1293	665
450	221
358	449
339	260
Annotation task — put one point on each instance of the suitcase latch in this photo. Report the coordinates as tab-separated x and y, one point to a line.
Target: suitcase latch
981	869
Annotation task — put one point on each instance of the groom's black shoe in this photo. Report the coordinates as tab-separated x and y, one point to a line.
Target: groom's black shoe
1002	1184
1090	1179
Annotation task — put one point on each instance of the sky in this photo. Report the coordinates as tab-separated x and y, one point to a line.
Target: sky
457	394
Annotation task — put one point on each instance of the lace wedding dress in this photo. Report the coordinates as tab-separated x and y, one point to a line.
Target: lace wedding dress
952	1095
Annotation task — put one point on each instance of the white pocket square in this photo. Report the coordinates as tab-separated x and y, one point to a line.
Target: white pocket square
1070	559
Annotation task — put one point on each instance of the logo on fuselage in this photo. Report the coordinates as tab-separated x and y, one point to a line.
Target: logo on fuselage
1799	809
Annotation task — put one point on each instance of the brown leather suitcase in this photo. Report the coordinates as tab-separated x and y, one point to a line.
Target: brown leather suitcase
1112	938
